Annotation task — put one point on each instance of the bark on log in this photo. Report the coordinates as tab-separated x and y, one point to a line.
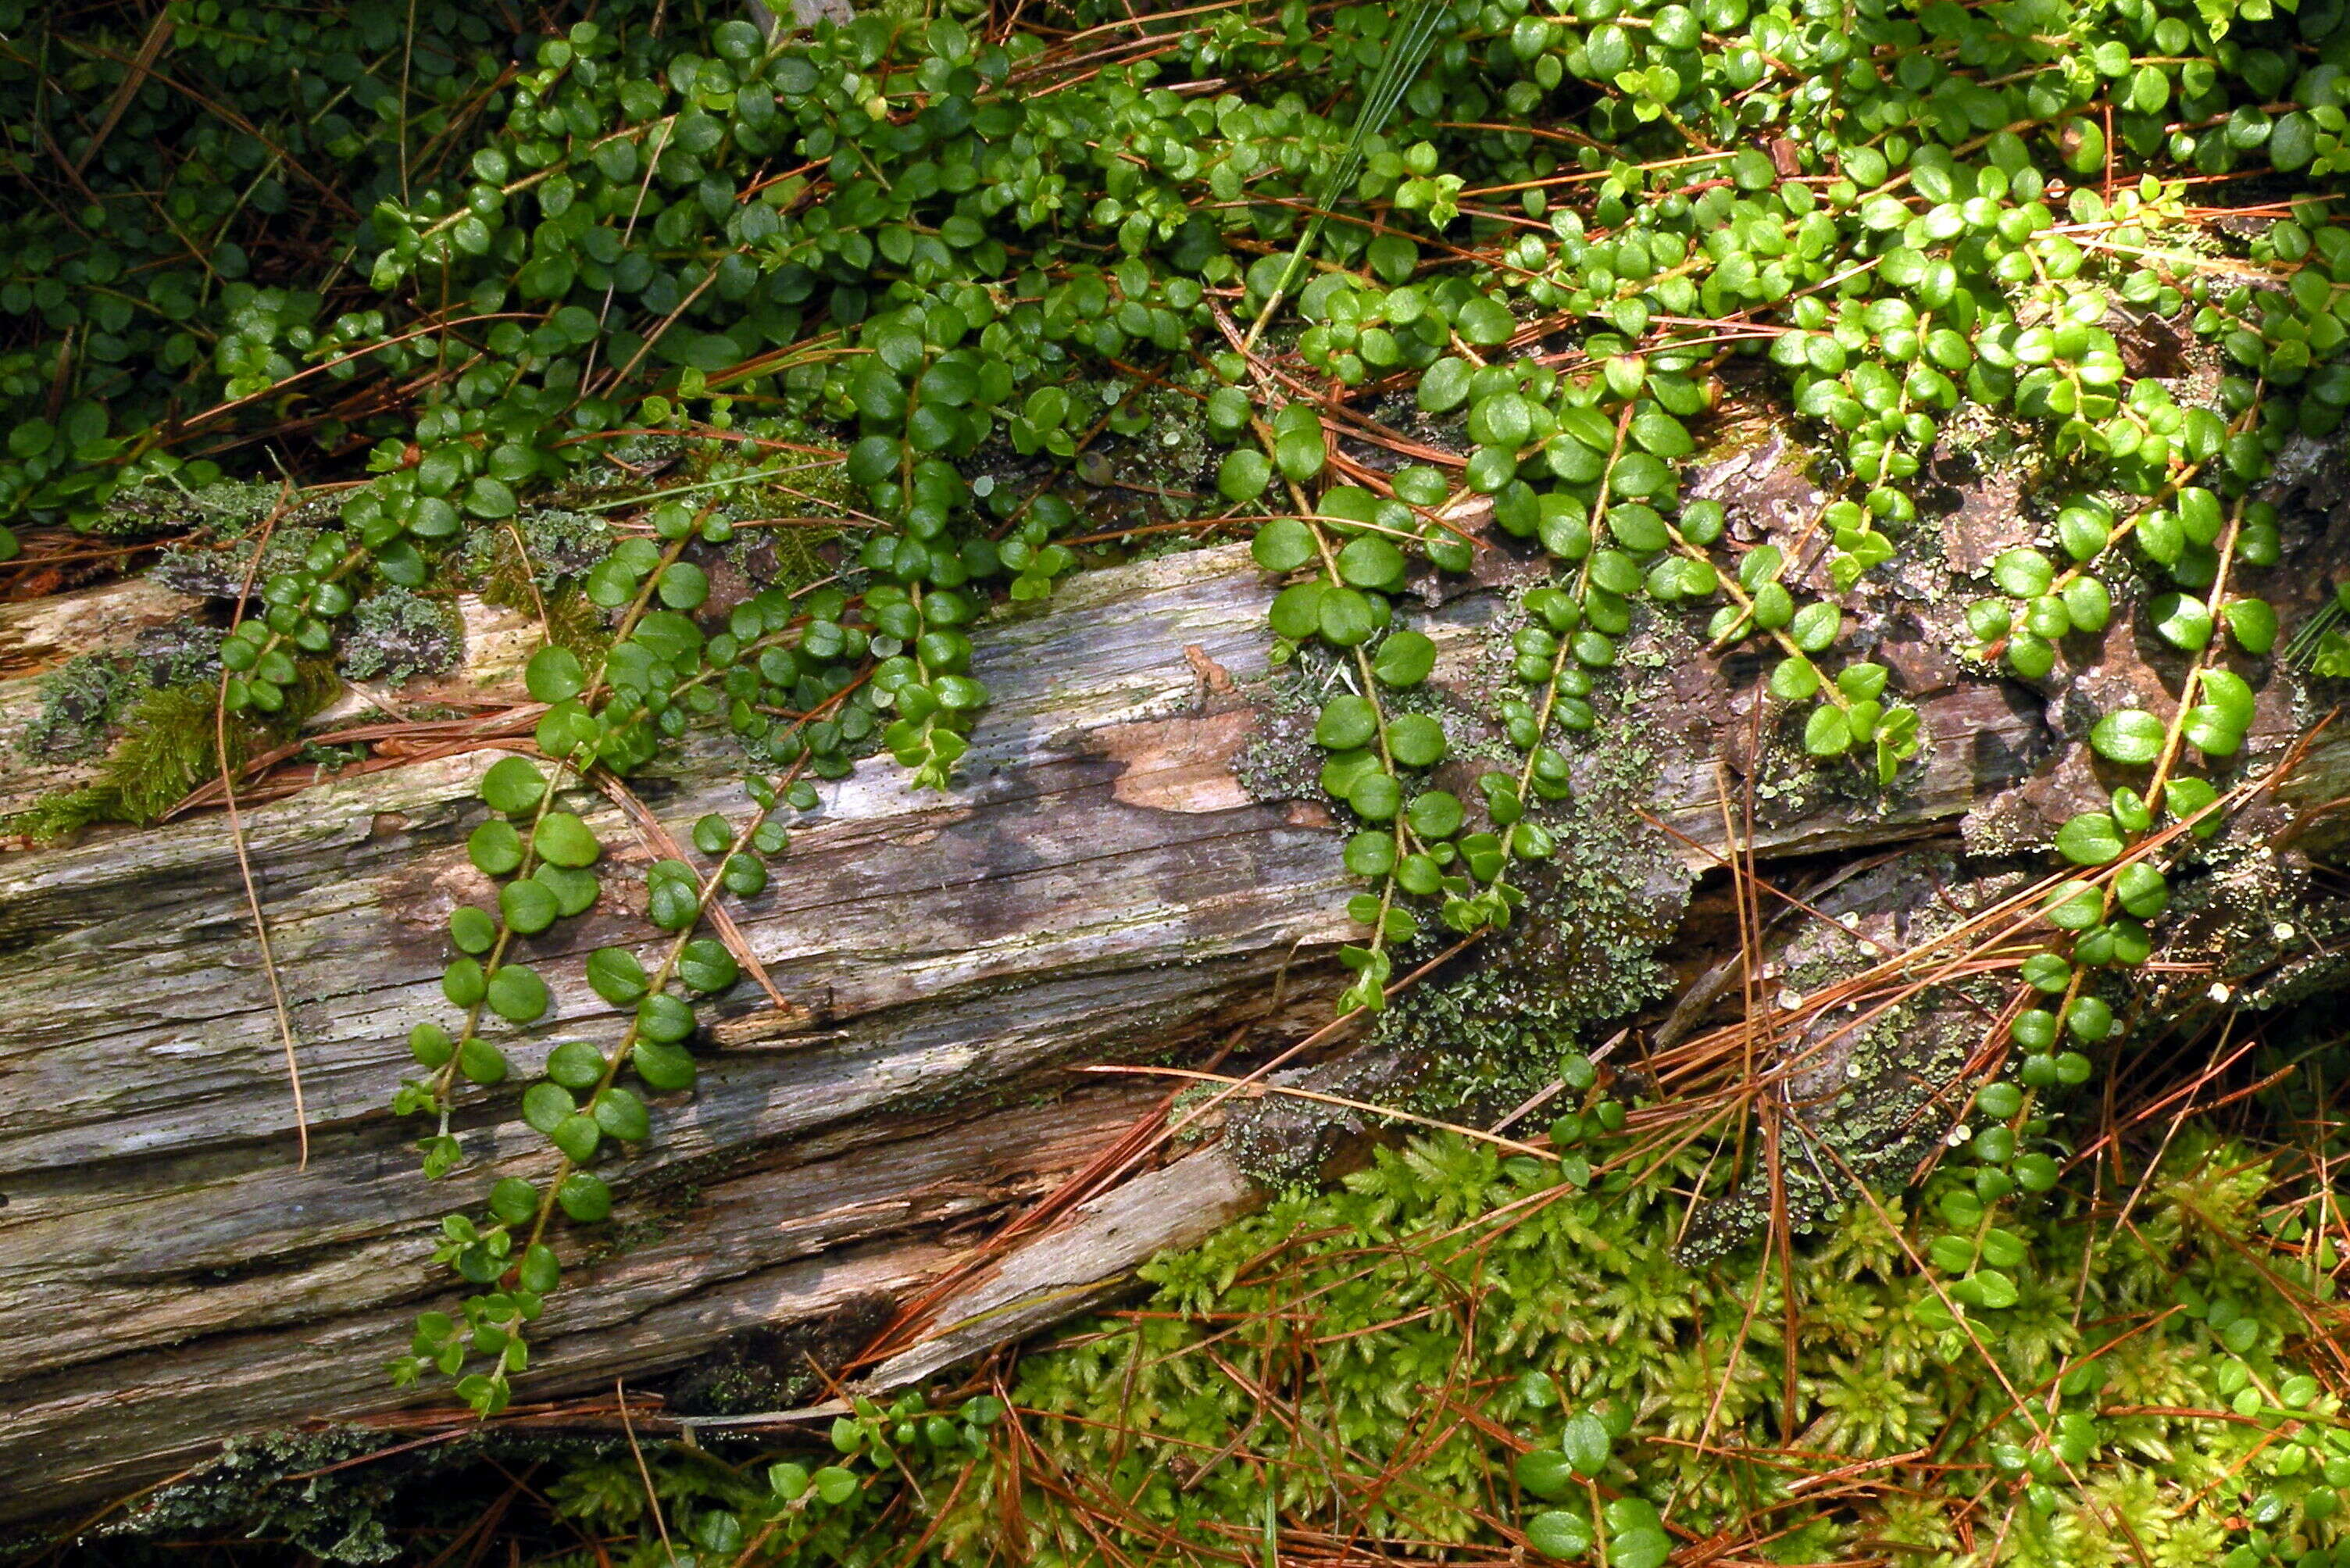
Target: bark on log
1100	886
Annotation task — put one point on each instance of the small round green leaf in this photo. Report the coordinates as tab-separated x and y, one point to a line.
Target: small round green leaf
2091	838
1415	740
494	847
704	964
2024	573
622	1116
564	840
461	982
1371	562
2252	623
1405	659
1814	627
1283	545
1371	854
662	1067
1546	1473
553	674
1244	475
528	904
584	1197
1828	734
513	785
1346	722
616	976
544	1106
516	993
2182	622
514	1201
480	1062
2129	736
472	930
1560	1532
576	1064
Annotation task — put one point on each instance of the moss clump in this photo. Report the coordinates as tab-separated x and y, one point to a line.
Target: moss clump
396	635
168	747
81	701
78	704
1371	1363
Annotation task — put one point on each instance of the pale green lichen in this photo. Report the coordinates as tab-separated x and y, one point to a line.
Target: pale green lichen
559	544
221	572
396	635
1580	952
78	704
82	700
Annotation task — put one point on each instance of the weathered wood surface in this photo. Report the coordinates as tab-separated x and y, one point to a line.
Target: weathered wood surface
1099	886
167	1276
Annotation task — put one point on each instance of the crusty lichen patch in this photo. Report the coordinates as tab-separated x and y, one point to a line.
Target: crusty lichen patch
1581	952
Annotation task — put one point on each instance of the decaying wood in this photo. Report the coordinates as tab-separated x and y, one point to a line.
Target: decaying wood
1100	886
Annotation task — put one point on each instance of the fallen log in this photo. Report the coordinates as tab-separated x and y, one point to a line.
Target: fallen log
1104	884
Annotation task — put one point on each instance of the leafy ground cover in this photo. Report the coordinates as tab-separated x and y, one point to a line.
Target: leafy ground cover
332	311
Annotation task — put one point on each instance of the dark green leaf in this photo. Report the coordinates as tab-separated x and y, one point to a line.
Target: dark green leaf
1283	545
584	1197
705	965
1405	659
563	839
616	976
494	847
1346	722
553	674
2091	838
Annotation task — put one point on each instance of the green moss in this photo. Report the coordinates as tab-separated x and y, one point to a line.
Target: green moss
1370	1361
168	747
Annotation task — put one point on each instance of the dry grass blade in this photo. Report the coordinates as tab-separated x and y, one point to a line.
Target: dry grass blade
159	38
245	861
652	1496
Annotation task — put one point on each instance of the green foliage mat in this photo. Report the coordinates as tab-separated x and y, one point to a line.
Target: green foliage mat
1458	1351
586	308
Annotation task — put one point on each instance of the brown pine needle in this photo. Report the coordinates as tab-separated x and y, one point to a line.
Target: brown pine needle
245	863
652	1499
1251	1090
